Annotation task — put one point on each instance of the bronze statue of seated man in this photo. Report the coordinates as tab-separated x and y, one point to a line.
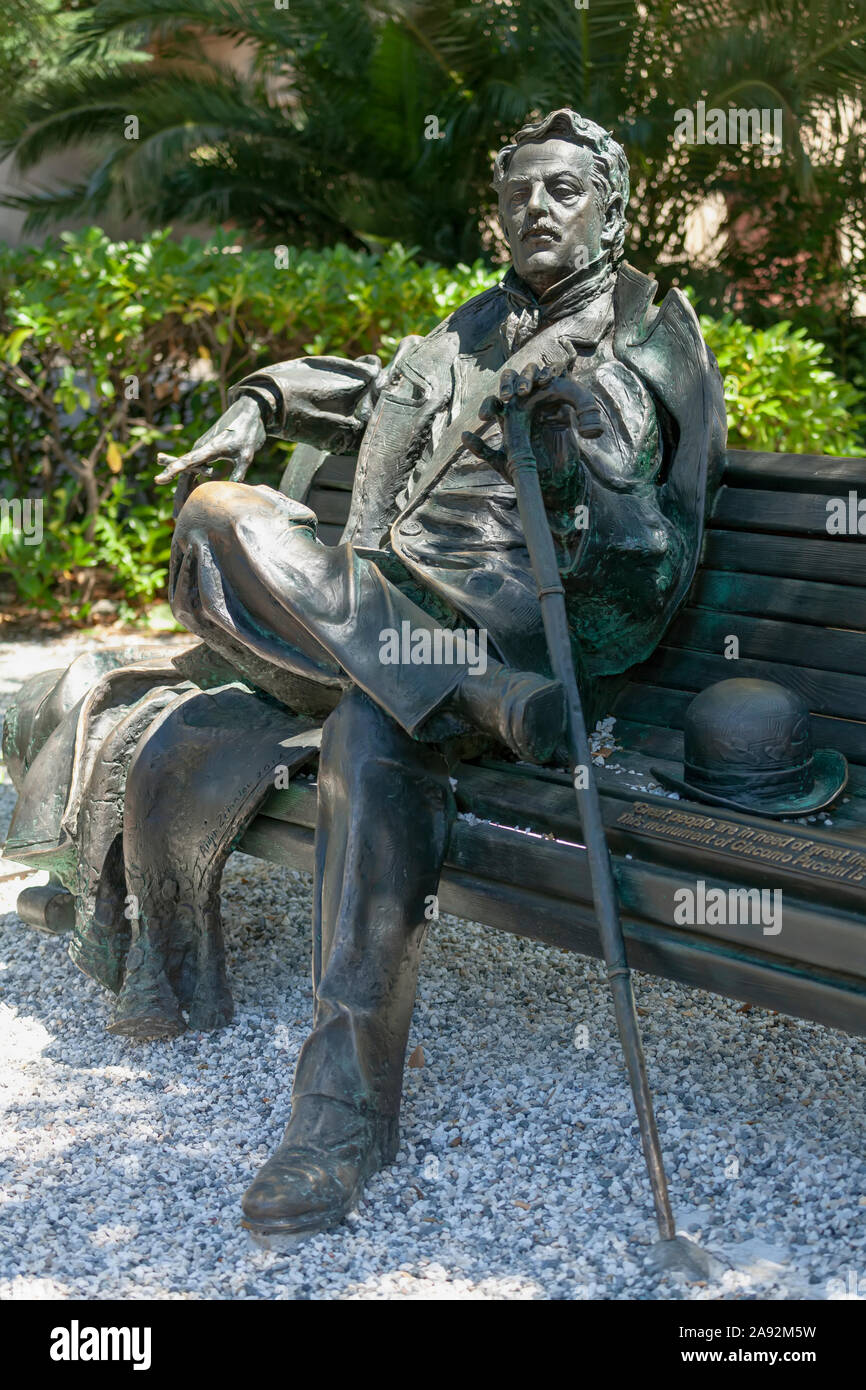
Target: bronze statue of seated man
434	545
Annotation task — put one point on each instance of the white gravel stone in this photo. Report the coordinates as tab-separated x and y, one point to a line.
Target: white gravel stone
519	1173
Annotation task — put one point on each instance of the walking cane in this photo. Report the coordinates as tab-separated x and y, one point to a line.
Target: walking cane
517	462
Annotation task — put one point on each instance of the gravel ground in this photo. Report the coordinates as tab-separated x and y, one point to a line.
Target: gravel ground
519	1173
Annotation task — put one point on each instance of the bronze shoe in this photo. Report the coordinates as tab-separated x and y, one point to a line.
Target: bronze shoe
317	1174
521	709
147	1008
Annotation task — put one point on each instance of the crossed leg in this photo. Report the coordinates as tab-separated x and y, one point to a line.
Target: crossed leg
249	576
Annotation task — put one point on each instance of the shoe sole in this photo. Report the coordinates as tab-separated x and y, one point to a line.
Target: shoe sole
269	1235
544	723
147	1029
277	1241
264	1233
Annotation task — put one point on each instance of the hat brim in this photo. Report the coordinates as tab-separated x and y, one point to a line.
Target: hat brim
831	778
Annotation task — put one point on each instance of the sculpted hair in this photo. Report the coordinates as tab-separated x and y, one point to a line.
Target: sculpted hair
609	164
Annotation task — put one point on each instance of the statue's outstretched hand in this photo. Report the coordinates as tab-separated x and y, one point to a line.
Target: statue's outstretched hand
236	437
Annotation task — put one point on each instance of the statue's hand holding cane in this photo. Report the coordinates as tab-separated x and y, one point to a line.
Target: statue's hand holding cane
536	387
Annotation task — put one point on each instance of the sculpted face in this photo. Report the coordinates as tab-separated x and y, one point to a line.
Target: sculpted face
550	211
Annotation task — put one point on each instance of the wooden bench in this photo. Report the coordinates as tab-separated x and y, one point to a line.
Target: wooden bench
795	598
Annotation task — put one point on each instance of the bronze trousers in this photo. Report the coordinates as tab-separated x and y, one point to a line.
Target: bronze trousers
249	578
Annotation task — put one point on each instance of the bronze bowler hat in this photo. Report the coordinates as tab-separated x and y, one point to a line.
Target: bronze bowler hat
748	745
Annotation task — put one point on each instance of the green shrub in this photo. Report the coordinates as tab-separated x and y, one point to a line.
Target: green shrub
780	393
112	350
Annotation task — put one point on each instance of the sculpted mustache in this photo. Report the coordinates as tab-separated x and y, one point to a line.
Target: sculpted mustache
539	229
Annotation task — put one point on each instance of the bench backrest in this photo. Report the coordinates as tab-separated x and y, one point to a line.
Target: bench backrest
779	589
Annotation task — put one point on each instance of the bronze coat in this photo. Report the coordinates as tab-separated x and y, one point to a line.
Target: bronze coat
450	519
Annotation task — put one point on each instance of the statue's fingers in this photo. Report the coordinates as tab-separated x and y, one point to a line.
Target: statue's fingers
174	470
196	458
170	466
526	380
478	446
241	468
544	375
490	407
507	385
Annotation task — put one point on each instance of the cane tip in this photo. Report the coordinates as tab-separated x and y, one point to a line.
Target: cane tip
683	1256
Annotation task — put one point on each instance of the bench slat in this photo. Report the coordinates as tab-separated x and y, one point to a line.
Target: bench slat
329	534
769	639
795	472
798	600
542	800
631	771
738	971
329	504
337	471
831	693
786	556
657	867
629	774
644	748
797	513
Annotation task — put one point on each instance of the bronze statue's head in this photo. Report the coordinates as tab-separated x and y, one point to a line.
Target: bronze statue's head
563	190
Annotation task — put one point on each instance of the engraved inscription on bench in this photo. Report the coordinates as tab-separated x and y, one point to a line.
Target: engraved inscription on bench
793	852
